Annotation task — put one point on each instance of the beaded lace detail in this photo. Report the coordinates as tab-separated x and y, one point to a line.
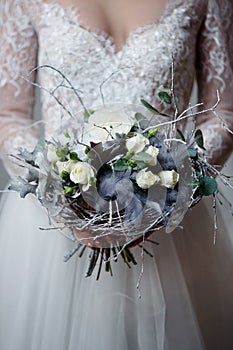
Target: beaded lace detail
214	50
216	74
18	47
196	33
138	70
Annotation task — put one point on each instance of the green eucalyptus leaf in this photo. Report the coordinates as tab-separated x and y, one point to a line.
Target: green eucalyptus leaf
199	139
120	165
165	97
139	116
180	135
143	124
192	153
149	107
142	157
207	186
142	120
139	166
168	89
153	109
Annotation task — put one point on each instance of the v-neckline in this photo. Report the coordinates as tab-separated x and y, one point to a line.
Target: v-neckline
103	36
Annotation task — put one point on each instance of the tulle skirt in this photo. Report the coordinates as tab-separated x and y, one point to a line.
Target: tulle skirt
186	289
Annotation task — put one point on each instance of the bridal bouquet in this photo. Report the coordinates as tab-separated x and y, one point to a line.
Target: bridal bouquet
116	174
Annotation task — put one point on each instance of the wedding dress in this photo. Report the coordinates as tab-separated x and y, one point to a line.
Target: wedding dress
186	288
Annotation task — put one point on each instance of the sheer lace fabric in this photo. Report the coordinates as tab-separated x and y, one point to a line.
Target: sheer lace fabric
198	35
214	69
18	56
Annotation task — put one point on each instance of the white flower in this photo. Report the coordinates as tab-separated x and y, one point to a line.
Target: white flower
82	173
104	124
146	179
65	166
136	143
168	178
51	153
152	151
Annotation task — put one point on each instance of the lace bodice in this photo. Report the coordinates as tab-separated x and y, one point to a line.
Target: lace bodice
197	33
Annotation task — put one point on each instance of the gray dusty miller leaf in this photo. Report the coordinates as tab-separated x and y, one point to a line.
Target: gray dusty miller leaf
22	186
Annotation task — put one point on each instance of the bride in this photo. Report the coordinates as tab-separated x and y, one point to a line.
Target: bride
126	47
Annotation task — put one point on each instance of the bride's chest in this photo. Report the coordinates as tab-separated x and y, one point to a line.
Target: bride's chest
64	41
91	62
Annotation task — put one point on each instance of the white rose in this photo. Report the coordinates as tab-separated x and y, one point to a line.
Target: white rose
51	153
65	166
146	179
105	123
81	174
168	178
152	151
136	143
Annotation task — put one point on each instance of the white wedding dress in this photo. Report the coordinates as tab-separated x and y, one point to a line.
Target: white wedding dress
186	288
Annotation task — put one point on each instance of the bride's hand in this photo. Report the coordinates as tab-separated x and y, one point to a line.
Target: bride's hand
92	241
106	241
139	240
87	238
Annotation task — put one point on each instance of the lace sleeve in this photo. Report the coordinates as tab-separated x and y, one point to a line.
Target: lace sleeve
215	73
18	51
